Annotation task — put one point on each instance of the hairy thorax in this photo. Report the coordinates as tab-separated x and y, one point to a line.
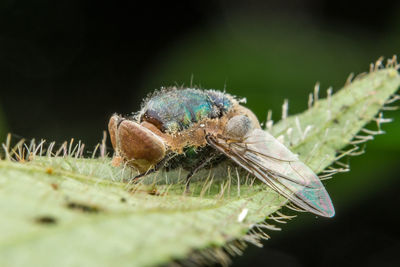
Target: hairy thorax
174	122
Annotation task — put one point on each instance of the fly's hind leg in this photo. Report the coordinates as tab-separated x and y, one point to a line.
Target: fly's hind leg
201	164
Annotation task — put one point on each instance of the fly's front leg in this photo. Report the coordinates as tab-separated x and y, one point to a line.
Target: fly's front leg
156	168
201	164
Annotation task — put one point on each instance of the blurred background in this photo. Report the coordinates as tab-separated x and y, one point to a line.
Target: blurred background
66	66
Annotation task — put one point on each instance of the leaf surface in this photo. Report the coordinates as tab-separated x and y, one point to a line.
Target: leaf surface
71	211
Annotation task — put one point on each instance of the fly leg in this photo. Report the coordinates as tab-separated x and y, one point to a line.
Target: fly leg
201	164
156	168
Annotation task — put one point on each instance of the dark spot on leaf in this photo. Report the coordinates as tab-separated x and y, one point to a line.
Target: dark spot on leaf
336	121
49	171
54	186
344	107
123	199
46	220
154	192
83	207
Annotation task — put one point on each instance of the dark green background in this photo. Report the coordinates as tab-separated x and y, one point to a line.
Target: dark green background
65	67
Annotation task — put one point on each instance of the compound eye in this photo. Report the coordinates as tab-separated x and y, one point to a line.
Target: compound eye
139	146
238	126
112	129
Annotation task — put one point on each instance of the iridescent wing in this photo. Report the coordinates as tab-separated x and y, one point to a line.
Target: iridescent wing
274	164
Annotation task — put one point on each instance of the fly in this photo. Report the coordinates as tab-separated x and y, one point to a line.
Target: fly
193	128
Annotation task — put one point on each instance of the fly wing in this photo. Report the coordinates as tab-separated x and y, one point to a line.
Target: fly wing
274	164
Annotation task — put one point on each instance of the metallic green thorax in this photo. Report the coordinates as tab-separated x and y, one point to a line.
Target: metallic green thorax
177	109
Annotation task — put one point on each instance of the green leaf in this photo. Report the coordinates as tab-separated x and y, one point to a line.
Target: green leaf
74	211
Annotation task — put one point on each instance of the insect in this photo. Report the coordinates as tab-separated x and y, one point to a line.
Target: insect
193	128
